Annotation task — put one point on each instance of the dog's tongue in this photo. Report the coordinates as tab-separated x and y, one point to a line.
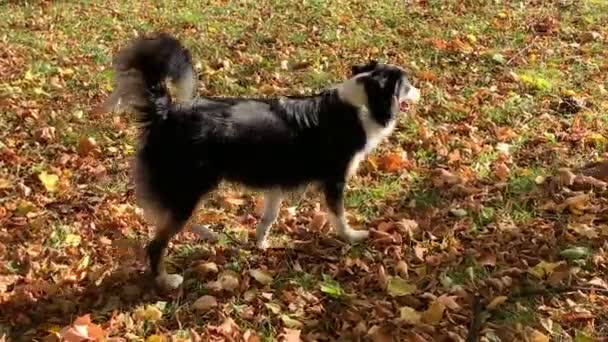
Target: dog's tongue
404	106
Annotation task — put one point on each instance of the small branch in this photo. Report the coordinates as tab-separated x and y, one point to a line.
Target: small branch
475	326
521	52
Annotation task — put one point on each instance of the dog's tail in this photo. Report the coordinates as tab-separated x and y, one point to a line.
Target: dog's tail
141	70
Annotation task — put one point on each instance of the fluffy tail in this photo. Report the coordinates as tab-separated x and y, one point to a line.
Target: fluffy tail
141	70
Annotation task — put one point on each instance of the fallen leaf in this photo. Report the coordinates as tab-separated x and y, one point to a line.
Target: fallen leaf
332	288
410	315
205	303
291	335
402	269
434	313
496	302
274	308
392	162
291	322
419	252
599	282
261	276
449	302
398	287
542	269
537	336
148	313
49	181
575	253
318	222
577	204
86	146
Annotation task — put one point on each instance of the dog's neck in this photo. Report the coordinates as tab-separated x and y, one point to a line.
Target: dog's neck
353	92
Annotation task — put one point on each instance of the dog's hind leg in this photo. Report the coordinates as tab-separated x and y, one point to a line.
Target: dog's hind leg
334	196
272	205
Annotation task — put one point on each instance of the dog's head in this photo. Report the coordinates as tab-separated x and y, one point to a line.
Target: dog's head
383	88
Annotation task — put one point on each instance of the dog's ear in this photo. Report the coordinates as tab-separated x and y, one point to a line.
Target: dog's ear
357	69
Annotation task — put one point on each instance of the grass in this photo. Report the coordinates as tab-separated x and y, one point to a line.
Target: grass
484	70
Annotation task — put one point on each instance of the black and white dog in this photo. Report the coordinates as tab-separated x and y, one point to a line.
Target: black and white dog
188	147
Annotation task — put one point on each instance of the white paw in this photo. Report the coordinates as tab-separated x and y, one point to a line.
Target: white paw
262	244
169	281
354	236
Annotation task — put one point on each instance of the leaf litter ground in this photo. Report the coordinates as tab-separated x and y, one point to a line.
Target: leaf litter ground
488	205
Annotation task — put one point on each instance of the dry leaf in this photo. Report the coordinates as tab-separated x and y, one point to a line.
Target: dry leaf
449	302
496	302
434	313
86	146
49	181
398	287
205	303
402	269
410	315
261	276
318	222
392	162
291	335
537	336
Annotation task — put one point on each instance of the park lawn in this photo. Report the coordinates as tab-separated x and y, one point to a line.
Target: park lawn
478	196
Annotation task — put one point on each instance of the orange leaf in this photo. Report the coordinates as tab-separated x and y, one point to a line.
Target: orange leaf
427	76
392	162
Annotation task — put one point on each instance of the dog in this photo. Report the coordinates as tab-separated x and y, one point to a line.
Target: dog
188	145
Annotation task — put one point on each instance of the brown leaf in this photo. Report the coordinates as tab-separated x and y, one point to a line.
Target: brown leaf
449	302
488	259
502	171
419	252
427	76
566	177
318	222
392	162
291	335
86	146
443	177
496	302
378	334
205	303
402	269
537	336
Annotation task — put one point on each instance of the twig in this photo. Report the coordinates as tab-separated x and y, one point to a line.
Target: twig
475	326
520	52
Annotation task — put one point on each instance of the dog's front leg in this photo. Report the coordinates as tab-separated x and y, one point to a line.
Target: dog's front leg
272	205
334	196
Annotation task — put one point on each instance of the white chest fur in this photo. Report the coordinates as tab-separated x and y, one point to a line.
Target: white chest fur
374	133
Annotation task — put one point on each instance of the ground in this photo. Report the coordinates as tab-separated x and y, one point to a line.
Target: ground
486	220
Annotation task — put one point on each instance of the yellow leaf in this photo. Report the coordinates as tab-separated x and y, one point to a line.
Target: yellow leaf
28	75
542	269
410	315
49	181
497	302
399	287
537	336
261	276
149	313
72	240
434	313
4	183
155	338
